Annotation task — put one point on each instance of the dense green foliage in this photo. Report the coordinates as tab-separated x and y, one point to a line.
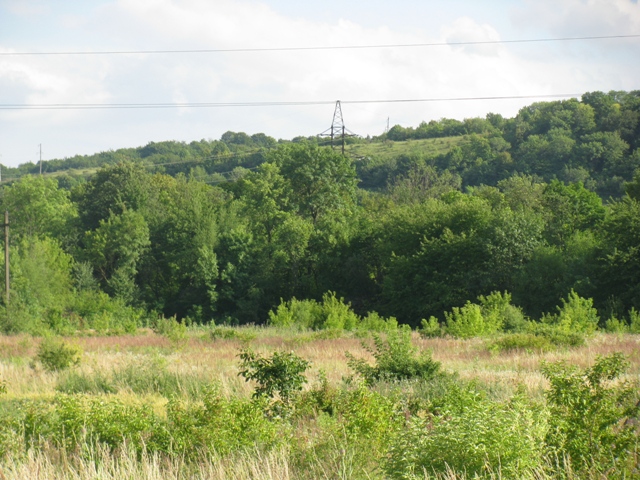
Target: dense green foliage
542	207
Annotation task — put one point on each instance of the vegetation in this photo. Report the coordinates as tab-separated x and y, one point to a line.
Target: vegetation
512	240
135	404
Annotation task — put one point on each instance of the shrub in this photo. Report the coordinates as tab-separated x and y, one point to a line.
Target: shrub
613	325
538	337
575	315
634	321
375	323
301	314
473	437
466	321
229	333
220	426
175	331
494	314
55	355
431	328
499	314
557	336
331	314
396	359
522	341
336	314
282	373
588	412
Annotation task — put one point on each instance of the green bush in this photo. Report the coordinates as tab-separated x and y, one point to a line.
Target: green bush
219	426
634	321
230	333
396	359
575	315
538	337
301	314
375	323
331	314
466	321
172	329
471	436
557	336
431	328
522	341
282	373
613	325
588	412
499	314
54	354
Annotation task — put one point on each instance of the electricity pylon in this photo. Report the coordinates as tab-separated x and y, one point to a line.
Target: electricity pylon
337	128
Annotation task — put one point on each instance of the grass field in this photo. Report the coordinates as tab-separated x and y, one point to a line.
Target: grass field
423	147
151	370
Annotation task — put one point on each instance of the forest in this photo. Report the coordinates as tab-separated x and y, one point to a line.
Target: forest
459	299
538	206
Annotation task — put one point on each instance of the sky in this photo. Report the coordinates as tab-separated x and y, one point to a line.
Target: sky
324	76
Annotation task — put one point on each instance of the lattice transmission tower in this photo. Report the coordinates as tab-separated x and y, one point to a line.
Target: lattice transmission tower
337	130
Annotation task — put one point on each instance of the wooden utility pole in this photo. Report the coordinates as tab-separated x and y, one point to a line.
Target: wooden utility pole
40	159
6	256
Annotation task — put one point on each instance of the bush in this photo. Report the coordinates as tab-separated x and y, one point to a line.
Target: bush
396	359
219	426
282	373
588	412
634	321
375	323
466	321
575	315
431	328
302	314
538	337
331	314
175	331
499	314
557	336
55	355
230	333
471	436
521	341
613	325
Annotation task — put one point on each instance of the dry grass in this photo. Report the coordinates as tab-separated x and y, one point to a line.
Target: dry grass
124	464
216	360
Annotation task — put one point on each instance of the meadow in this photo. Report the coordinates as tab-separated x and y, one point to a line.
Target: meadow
175	404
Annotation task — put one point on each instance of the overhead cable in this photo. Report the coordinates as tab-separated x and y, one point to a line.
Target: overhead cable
318	47
102	106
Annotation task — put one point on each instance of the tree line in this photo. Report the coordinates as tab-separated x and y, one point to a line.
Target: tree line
538	206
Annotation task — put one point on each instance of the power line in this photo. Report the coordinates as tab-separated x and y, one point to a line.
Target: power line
103	106
326	47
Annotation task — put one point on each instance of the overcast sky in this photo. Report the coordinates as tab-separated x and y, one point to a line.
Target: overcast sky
511	69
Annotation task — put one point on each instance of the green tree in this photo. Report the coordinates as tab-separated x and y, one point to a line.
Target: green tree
321	181
37	207
115	248
112	190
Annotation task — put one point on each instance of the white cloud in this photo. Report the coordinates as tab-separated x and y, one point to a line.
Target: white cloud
362	74
581	17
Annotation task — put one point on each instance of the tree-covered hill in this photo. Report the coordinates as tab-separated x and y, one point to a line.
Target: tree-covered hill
410	224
